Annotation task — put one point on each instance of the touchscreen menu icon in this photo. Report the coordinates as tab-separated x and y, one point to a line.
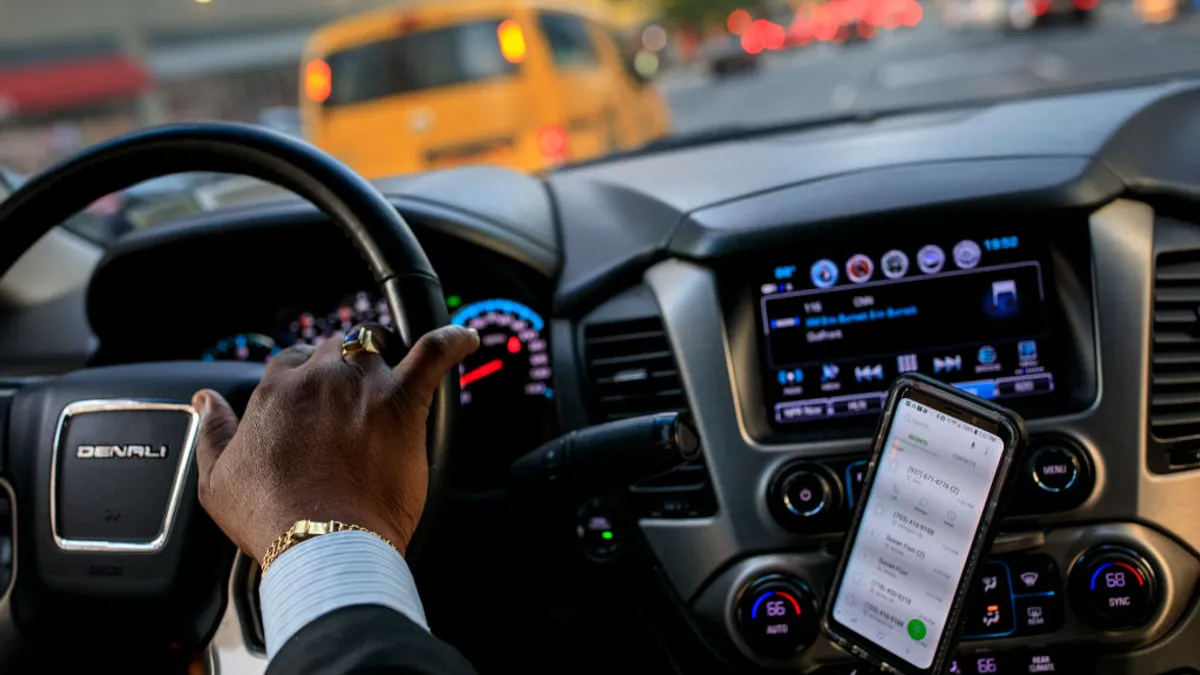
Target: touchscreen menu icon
930	259
1003	301
894	264
824	273
967	254
859	268
1027	351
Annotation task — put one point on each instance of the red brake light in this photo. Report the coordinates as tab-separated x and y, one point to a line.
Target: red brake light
552	142
739	20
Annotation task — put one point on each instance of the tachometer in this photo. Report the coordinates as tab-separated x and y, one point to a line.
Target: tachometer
313	329
512	360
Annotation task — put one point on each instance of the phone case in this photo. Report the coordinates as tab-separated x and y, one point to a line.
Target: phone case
980	544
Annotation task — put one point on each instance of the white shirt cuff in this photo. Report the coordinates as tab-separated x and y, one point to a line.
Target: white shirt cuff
329	572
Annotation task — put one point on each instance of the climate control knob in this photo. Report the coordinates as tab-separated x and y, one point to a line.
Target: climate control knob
777	616
1113	588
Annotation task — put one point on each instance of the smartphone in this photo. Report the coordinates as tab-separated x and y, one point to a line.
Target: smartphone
942	463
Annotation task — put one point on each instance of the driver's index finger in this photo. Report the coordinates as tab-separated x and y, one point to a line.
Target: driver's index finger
329	350
292	357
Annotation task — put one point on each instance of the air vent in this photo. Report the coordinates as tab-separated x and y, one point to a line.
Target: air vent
631	368
1175	372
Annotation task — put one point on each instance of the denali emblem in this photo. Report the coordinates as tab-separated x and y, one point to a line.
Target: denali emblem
121	451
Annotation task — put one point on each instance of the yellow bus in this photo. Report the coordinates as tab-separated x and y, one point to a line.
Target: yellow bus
520	83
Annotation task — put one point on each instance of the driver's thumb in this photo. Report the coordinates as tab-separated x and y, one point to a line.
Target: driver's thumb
435	353
218	423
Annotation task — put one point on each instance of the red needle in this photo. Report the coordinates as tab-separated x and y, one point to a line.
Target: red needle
480	372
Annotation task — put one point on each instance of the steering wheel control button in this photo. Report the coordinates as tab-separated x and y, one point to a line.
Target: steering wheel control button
777	616
1055	468
1113	588
117	473
598	531
804	497
990	614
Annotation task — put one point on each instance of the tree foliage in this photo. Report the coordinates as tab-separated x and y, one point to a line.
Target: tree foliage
698	13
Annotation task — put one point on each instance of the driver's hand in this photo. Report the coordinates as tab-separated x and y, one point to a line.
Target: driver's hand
325	438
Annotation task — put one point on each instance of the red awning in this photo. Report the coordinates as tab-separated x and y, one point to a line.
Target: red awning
70	84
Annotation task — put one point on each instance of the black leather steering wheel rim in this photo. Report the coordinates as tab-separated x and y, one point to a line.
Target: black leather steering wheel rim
383	238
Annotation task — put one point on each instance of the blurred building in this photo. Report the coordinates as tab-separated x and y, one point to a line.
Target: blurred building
73	72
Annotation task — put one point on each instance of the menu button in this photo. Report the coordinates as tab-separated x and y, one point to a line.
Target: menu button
1055	468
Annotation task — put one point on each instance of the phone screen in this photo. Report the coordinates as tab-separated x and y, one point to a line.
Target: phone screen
930	490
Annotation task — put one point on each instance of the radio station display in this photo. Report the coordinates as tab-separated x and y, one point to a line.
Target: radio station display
839	328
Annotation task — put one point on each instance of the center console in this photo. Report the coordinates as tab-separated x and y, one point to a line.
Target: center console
784	358
1001	310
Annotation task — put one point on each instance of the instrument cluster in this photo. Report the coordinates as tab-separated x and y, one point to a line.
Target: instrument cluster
506	391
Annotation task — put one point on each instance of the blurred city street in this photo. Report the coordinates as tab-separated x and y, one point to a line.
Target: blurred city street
69	79
933	64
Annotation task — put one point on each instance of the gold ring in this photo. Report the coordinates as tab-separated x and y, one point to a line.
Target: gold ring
361	339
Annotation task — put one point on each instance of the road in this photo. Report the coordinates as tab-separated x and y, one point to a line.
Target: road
932	64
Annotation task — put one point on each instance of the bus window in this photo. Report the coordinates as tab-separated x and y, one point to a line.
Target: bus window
570	41
437	58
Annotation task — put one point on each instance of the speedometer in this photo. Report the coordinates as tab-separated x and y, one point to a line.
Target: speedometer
512	360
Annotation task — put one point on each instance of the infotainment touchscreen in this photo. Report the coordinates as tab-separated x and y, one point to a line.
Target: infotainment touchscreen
838	326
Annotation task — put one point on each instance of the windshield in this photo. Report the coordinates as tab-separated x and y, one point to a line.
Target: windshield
395	87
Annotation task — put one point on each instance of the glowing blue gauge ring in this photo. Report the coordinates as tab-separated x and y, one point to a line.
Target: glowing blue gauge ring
764	596
1136	574
468	312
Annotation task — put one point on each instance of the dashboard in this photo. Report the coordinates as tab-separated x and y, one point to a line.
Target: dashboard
1042	253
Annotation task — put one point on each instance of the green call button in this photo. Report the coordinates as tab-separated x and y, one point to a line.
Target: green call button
916	629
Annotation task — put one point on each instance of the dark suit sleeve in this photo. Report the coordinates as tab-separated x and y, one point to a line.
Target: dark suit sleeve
367	639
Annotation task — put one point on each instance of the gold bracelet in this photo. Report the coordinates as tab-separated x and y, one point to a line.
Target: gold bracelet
307	529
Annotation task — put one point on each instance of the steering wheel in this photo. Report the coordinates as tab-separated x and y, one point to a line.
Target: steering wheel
114	556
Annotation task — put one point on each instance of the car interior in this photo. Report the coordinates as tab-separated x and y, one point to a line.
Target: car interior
705	329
